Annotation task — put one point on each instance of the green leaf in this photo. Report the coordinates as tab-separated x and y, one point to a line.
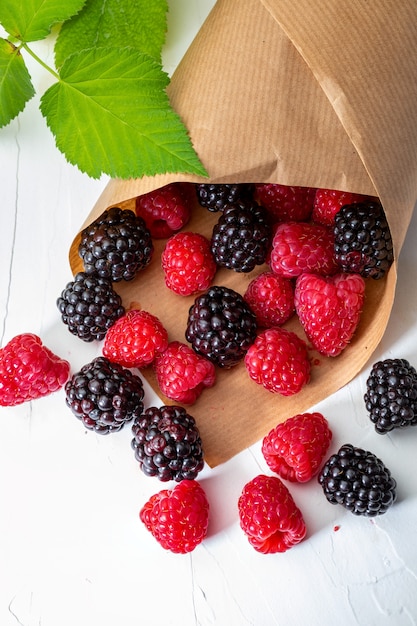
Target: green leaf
140	24
16	88
110	114
31	20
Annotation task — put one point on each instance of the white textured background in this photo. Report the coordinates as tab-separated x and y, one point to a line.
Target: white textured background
72	550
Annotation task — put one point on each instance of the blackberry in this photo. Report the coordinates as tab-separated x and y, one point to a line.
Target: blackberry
104	395
391	395
116	245
363	242
215	197
359	481
167	444
89	306
242	236
221	326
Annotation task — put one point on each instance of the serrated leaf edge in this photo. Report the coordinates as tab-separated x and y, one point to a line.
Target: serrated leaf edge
22	106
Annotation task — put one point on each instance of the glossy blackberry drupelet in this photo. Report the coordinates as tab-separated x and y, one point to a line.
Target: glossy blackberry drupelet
89	306
167	443
105	396
391	395
215	197
359	481
221	326
116	245
363	242
241	238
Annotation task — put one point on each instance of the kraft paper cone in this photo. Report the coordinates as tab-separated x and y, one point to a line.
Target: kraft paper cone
287	91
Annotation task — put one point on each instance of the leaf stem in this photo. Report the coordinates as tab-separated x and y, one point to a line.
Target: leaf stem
39	60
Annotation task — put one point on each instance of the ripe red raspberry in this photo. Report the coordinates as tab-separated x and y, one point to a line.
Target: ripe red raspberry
165	210
295	449
299	247
271	298
29	370
269	516
178	518
135	339
285	203
278	360
328	202
188	264
329	309
182	374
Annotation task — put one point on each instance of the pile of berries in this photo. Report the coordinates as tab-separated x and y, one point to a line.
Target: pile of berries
319	246
312	260
304	253
302	246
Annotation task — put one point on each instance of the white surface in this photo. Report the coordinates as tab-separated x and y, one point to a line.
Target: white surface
72	549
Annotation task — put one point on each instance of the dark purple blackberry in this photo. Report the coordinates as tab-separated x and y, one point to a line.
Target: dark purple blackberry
167	444
221	326
391	395
104	395
215	197
363	243
359	481
116	245
89	306
241	238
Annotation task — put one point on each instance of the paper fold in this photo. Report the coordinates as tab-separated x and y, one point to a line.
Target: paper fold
363	55
319	94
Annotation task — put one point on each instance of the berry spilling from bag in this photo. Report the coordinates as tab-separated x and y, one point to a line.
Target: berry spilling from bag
315	250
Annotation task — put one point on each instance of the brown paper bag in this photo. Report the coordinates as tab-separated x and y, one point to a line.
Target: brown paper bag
320	94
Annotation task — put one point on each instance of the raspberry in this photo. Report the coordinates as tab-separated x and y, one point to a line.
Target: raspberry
271	298
268	515
221	326
241	238
391	395
182	374
135	339
278	360
329	309
295	449
215	197
359	481
363	240
165	210
178	518
285	203
89	306
104	395
188	264
167	444
29	370
328	202
116	245
299	247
